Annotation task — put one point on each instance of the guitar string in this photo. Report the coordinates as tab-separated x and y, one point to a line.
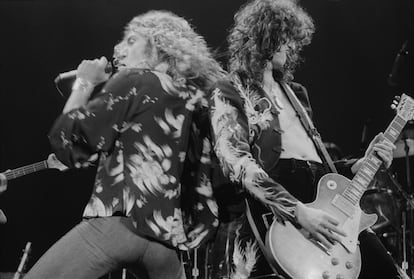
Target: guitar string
26	169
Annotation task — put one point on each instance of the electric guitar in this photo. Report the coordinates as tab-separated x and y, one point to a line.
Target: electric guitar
50	163
299	256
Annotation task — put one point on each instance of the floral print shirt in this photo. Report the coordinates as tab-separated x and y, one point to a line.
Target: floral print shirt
142	125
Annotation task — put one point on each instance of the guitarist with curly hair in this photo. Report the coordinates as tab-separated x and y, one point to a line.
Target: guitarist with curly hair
264	146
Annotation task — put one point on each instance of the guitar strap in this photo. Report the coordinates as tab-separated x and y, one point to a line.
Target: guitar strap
308	125
256	233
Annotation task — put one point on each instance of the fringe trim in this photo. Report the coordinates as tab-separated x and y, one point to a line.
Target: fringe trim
244	260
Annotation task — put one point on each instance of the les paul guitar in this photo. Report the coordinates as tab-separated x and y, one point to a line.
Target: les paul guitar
293	252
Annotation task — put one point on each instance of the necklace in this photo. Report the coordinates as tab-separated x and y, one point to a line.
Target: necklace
274	96
278	102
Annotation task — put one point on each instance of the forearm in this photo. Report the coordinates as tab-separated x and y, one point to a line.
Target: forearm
231	134
81	92
355	167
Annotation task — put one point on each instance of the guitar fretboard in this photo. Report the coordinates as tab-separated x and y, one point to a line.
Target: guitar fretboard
15	173
371	165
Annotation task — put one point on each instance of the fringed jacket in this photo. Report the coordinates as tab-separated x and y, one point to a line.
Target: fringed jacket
248	143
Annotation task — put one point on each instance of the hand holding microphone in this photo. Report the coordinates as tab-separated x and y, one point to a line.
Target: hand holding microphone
95	68
89	74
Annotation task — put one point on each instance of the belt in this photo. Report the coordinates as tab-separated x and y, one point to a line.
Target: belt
300	164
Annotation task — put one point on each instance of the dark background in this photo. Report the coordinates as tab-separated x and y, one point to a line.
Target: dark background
345	71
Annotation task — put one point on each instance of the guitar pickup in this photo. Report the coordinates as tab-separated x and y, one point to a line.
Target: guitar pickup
344	205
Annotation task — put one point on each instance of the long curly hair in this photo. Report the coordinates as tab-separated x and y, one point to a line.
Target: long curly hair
261	27
174	41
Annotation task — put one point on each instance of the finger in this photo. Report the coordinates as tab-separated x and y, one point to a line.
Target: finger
103	60
195	232
336	230
331	220
389	144
333	226
385	145
335	238
383	153
378	137
385	157
321	238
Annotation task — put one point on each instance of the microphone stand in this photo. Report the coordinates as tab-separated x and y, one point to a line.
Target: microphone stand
407	205
407	217
409	208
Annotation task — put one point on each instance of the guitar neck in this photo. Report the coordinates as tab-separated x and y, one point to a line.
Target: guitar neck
15	173
23	261
371	165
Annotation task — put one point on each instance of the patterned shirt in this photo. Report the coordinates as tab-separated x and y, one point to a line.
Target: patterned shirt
141	124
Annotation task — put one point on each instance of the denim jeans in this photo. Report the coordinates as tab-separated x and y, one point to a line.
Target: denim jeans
98	245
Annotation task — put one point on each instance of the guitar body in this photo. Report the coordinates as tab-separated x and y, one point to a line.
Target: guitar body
301	257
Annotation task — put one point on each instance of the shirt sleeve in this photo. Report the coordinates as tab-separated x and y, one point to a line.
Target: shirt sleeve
231	145
93	128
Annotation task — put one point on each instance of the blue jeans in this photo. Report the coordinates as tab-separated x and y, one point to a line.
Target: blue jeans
96	246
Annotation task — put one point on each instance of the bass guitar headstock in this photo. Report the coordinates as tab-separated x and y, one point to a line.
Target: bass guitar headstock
54	163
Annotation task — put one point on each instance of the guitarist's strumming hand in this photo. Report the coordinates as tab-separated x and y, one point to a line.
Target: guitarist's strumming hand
3	187
320	225
382	148
3	183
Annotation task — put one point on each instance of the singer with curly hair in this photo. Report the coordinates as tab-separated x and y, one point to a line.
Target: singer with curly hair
144	126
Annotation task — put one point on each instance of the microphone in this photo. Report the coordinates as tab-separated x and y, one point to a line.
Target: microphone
364	135
3	218
396	67
72	74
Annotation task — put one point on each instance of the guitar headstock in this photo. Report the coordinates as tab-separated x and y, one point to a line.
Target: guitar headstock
405	107
54	163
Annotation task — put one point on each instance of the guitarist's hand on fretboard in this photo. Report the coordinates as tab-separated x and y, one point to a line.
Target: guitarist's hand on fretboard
320	225
3	183
382	148
3	218
3	187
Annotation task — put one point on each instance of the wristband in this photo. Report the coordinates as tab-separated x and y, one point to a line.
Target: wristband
81	84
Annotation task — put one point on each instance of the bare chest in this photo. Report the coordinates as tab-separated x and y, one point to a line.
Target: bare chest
295	141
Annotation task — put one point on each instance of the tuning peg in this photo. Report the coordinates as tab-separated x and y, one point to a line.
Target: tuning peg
394	106
395	102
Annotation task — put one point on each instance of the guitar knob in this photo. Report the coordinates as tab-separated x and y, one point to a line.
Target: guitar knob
340	276
335	261
326	275
349	265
